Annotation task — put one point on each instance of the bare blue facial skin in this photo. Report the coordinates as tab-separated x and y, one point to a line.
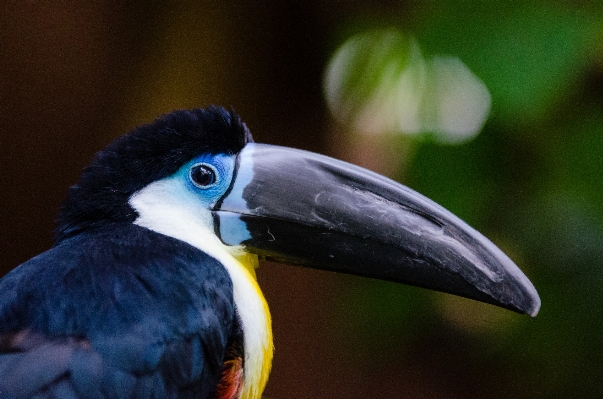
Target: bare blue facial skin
221	165
303	208
232	230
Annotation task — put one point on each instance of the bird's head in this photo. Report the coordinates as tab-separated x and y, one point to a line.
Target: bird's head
199	174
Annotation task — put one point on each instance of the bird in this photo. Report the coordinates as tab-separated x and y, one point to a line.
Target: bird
149	290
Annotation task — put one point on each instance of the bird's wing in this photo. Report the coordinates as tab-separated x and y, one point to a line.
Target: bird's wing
118	313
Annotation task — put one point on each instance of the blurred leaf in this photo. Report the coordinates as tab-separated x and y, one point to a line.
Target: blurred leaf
372	71
379	82
529	53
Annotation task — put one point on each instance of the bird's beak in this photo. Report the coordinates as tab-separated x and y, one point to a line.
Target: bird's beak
306	209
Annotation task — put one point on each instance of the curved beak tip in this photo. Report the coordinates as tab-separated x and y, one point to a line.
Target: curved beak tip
535	308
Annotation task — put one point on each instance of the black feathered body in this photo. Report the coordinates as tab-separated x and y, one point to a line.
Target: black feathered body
116	313
118	310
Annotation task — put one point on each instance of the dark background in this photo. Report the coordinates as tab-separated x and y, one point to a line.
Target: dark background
75	75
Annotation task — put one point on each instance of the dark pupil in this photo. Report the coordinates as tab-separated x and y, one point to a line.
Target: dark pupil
203	175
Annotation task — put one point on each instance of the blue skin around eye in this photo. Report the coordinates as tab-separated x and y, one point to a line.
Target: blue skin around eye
233	231
224	166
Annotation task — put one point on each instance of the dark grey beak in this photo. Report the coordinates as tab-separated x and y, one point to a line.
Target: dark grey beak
306	209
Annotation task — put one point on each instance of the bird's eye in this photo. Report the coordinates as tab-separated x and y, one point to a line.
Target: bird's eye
203	175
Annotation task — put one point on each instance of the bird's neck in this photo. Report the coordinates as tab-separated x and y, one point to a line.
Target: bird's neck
193	228
257	325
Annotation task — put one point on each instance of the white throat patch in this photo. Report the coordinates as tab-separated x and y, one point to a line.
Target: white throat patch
168	207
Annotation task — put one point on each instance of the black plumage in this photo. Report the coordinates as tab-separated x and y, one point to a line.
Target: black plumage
146	154
113	313
115	310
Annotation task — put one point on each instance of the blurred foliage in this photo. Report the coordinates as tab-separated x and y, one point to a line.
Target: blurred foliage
380	81
529	53
532	181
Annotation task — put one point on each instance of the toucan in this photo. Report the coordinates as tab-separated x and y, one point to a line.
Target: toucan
150	292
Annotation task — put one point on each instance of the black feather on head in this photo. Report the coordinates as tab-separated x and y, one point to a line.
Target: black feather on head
146	154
